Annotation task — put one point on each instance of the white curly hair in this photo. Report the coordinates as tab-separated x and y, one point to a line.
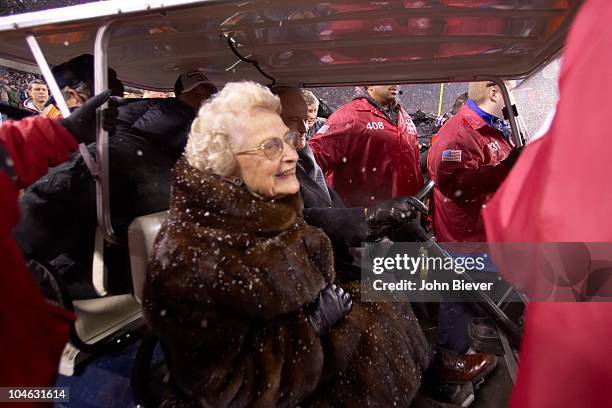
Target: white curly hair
214	133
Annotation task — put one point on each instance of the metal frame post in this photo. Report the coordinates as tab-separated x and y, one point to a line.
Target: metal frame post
102	182
516	135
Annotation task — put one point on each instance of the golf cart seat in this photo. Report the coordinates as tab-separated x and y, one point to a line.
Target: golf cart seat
141	236
110	321
105	323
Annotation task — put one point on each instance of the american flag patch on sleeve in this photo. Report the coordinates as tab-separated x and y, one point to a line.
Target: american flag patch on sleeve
322	130
451	156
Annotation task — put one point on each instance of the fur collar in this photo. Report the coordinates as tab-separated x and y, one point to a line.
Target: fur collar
225	203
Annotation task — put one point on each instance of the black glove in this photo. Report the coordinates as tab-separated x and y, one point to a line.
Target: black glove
410	231
383	217
331	306
512	157
82	121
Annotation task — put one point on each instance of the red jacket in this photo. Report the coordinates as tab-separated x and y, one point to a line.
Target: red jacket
367	158
464	162
560	191
34	332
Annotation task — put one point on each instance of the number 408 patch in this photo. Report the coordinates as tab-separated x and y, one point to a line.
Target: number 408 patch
375	125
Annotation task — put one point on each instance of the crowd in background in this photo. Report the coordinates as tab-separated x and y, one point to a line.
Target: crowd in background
14	88
14	85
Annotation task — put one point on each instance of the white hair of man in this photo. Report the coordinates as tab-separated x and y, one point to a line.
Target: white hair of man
310	98
215	133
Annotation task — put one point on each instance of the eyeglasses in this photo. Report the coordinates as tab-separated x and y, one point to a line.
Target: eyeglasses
273	147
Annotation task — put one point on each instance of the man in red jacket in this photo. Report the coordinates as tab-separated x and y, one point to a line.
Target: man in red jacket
560	191
34	332
470	158
468	161
369	149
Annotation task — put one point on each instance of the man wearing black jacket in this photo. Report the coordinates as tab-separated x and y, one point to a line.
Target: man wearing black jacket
323	207
59	210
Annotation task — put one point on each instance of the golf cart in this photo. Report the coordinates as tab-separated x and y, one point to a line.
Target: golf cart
321	44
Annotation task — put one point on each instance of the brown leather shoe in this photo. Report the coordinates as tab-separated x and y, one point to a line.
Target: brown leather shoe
463	368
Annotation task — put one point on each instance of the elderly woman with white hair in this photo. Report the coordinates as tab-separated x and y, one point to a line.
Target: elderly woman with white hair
240	290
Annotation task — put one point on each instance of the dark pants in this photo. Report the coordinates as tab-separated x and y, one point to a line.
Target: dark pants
453	325
454	317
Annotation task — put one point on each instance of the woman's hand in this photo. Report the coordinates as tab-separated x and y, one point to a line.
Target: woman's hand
331	306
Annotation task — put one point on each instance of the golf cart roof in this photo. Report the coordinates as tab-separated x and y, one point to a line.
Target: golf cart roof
302	42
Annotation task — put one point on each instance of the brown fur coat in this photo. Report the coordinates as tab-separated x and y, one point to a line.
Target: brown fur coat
227	290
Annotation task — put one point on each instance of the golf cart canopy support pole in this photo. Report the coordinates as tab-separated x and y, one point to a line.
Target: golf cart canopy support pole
102	182
47	74
516	135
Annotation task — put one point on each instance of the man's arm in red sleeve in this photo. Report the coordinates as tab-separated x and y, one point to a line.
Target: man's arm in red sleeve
472	182
34	331
34	144
330	144
466	174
